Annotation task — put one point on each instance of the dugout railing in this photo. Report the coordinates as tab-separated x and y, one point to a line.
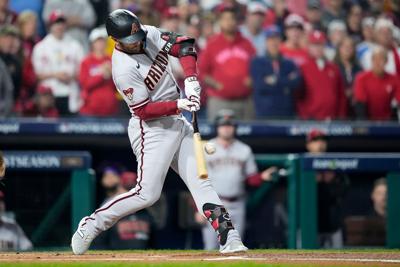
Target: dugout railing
348	163
290	163
80	191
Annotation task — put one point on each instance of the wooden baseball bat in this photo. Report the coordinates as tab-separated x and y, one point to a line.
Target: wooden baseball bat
198	149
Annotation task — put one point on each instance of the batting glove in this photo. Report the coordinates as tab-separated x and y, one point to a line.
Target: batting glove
186	104
193	89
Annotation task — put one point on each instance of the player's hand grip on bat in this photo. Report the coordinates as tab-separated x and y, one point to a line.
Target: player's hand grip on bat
186	104
193	89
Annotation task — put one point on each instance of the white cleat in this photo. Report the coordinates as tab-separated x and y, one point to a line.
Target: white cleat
233	243
81	239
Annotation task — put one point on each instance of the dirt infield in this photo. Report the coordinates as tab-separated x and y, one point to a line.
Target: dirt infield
282	258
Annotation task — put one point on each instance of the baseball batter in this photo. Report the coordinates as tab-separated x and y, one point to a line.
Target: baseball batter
159	135
231	167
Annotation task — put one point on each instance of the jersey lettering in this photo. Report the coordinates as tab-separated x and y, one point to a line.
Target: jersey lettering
157	70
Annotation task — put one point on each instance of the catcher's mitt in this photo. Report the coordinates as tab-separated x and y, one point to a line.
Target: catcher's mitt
2	166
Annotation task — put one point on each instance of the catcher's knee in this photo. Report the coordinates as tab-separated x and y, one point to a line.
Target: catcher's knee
220	220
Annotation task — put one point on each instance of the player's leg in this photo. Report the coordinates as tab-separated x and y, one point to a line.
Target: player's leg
154	147
204	195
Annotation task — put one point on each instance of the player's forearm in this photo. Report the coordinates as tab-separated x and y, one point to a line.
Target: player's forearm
153	110
189	66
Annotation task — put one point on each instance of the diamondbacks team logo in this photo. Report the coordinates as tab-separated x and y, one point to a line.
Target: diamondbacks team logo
135	28
129	93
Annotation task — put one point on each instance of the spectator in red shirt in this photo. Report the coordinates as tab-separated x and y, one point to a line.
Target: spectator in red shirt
323	94
224	69
43	104
376	89
97	87
293	48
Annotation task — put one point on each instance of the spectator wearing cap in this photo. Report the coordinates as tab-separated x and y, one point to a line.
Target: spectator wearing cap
253	27
274	78
313	15
171	20
10	53
97	87
128	180
79	18
293	48
331	189
42	104
353	22
367	29
336	32
375	90
7	16
276	14
56	60
316	142
224	69
346	60
383	35
333	11
238	6
27	24
12	237
323	95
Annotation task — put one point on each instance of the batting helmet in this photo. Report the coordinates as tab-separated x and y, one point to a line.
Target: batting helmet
225	117
125	27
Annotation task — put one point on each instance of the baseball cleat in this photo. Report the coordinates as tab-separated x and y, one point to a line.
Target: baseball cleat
233	243
81	239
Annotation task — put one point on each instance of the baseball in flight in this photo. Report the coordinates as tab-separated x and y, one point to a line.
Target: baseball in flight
209	148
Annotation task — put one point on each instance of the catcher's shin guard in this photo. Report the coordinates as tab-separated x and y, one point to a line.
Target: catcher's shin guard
219	219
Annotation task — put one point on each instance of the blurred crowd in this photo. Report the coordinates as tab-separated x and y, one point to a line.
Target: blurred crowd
303	59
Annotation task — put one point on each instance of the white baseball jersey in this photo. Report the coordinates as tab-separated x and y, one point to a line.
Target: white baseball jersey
229	167
12	237
158	144
141	78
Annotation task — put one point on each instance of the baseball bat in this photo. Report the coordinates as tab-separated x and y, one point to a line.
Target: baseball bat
198	149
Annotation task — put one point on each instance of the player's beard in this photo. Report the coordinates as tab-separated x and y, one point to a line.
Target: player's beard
135	48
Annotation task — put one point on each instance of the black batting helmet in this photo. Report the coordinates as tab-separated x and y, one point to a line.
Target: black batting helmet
125	27
225	117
